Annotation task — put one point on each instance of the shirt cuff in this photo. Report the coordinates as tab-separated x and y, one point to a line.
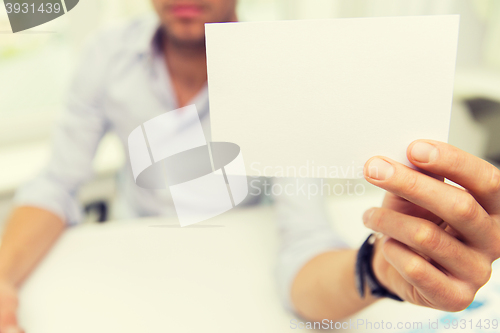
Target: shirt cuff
46	194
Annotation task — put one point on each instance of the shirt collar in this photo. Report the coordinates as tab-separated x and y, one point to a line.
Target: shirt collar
148	37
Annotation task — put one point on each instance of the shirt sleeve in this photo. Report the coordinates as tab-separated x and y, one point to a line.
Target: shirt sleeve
75	139
304	228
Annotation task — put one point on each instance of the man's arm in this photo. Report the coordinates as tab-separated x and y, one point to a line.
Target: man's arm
28	235
315	270
325	288
30	231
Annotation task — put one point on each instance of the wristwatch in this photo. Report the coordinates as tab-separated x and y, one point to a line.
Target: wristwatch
364	272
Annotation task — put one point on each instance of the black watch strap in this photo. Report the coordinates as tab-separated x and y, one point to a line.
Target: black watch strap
365	275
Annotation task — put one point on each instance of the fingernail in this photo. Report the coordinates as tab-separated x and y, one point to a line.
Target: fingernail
367	215
379	169
423	152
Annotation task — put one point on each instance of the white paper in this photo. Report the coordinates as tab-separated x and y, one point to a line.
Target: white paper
318	98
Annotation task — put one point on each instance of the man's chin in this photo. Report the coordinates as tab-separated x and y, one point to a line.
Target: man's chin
187	36
186	41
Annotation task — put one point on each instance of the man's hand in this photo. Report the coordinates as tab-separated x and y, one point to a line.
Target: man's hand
440	240
27	236
8	309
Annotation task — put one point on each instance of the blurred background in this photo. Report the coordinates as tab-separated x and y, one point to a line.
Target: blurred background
36	65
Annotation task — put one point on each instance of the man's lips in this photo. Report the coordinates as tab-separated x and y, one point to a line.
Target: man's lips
186	11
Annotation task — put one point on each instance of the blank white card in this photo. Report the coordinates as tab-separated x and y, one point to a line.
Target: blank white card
318	98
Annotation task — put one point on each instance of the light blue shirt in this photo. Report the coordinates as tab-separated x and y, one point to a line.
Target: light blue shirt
121	82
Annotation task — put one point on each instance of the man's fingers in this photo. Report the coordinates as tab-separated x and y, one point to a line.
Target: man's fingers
430	240
12	329
8	309
8	320
455	206
426	284
404	206
8	314
476	175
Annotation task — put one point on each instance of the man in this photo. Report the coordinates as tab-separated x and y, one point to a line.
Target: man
147	68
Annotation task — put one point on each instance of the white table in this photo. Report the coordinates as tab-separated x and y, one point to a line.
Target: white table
153	276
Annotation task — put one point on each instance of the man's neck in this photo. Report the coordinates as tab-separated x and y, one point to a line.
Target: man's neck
187	66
